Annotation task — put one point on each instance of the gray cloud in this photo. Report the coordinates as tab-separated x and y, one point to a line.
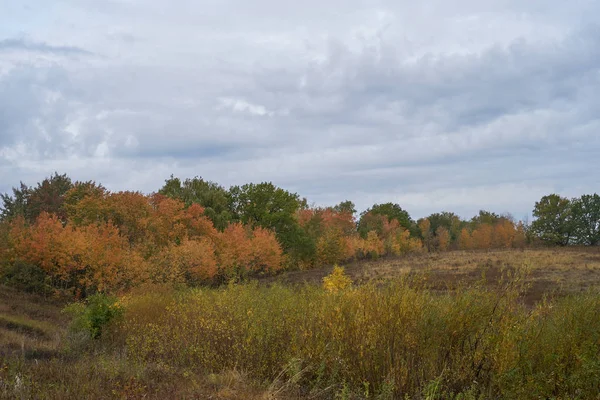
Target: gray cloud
435	107
41	47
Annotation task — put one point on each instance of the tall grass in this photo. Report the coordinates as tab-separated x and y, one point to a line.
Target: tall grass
385	340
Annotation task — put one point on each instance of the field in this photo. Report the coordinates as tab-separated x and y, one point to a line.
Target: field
551	272
462	325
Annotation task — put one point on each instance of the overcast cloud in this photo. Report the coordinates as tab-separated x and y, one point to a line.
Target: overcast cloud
434	105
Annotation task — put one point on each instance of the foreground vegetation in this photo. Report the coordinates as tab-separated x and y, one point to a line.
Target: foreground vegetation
397	335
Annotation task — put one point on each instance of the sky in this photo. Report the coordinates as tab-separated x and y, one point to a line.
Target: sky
434	105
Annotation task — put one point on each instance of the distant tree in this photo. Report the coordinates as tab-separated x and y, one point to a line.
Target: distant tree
85	203
345	207
15	205
48	196
370	222
30	202
503	234
269	207
554	222
465	241
442	238
586	218
448	220
213	197
392	212
520	240
482	237
485	217
425	229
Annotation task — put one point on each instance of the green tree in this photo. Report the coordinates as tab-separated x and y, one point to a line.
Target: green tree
485	217
15	205
30	202
48	197
267	206
586	218
448	220
554	222
210	195
392	211
345	206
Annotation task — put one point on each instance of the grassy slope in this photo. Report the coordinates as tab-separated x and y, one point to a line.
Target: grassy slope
36	363
552	271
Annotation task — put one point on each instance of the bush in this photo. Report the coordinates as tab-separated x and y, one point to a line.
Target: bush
93	316
25	276
337	280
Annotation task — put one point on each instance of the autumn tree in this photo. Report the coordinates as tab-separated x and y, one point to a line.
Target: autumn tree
391	211
331	229
85	203
345	206
448	220
465	241
242	250
91	258
192	261
442	238
372	246
425	229
482	237
503	234
520	239
267	206
211	196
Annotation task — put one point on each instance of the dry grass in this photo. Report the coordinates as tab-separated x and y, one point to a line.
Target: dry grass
36	362
30	326
553	272
37	359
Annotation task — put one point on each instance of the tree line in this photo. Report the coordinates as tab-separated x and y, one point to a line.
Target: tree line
79	237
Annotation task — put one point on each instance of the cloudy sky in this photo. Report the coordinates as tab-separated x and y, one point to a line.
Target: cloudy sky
434	105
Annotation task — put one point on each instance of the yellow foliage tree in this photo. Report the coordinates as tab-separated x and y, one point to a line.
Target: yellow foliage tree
442	238
337	280
425	228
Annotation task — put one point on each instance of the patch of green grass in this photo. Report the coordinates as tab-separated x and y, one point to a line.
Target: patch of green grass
26	325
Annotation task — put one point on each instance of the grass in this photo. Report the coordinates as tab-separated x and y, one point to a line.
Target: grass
463	325
552	271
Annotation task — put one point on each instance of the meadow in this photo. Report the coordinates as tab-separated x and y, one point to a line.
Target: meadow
514	324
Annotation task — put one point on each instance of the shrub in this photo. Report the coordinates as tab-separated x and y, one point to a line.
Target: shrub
337	280
25	276
93	316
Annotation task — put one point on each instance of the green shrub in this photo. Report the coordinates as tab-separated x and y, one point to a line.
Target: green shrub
25	276
94	315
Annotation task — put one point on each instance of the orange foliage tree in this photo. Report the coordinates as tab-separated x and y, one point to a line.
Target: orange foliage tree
94	257
465	241
482	237
333	232
112	241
